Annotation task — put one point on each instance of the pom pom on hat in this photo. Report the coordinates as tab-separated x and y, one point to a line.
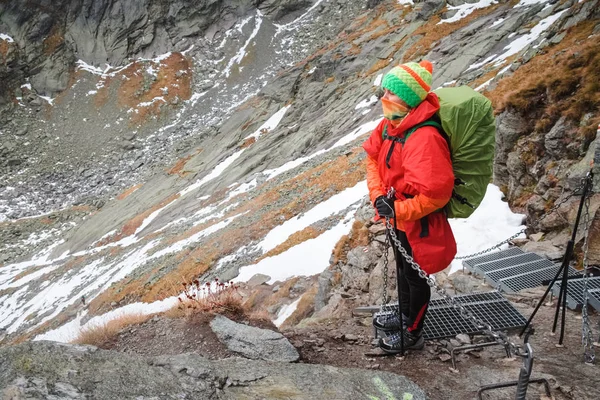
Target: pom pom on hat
411	82
427	65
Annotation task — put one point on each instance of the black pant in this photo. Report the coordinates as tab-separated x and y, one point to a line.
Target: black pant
413	291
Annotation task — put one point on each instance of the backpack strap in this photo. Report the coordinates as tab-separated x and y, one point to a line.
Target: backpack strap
430	122
402	140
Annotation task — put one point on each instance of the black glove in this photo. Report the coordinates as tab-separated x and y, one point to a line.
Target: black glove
385	207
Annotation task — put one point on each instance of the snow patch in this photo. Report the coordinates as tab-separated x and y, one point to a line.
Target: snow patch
237	59
305	259
218	170
4	36
520	43
378	80
291	25
524	3
465	9
367	102
361	130
491	223
285	312
334	204
270	124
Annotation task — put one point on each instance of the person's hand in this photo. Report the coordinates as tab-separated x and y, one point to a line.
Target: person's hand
385	207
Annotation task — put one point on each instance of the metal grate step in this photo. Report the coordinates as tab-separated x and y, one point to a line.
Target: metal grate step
485	268
471	262
575	292
443	320
471	298
494	277
446	322
531	279
500	315
594	299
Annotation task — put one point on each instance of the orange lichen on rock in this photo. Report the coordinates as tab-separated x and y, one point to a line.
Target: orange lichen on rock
148	85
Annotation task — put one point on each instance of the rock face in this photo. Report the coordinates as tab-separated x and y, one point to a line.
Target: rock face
105	31
50	370
253	343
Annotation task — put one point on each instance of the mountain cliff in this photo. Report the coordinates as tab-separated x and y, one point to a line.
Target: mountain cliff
148	143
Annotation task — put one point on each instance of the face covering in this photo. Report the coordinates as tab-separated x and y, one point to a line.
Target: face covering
393	111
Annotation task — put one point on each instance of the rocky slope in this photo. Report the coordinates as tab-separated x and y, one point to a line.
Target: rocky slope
52	370
252	120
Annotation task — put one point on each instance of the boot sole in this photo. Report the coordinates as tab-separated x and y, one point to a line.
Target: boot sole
417	346
387	329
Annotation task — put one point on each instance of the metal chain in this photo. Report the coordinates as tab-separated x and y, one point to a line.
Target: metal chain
586	331
479	253
535	224
487	329
385	270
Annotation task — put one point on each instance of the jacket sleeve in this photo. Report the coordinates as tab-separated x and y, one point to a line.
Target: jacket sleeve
428	169
373	180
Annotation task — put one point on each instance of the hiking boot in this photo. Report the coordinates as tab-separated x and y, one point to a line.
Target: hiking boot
389	322
412	341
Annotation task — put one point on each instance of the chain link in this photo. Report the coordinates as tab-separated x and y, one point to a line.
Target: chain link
385	269
488	250
586	331
487	329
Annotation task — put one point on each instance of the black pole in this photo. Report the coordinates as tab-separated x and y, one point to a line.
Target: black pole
564	268
541	301
569	252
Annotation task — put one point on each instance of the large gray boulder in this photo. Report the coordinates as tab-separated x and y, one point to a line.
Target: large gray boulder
48	370
254	343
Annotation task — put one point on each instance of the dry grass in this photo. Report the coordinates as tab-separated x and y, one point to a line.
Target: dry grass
305	308
131	226
248	142
201	299
563	81
432	32
378	66
138	86
102	94
4	47
358	236
96	335
330	177
129	191
179	165
298	237
283	292
53	41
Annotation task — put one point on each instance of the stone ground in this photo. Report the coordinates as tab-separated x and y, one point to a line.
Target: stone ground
348	343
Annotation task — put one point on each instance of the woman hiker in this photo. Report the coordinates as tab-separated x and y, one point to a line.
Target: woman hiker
416	164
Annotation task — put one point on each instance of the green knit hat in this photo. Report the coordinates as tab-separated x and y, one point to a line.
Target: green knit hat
411	82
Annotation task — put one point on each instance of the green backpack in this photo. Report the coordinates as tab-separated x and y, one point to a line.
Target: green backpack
467	120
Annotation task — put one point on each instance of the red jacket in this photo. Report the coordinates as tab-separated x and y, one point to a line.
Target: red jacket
421	172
